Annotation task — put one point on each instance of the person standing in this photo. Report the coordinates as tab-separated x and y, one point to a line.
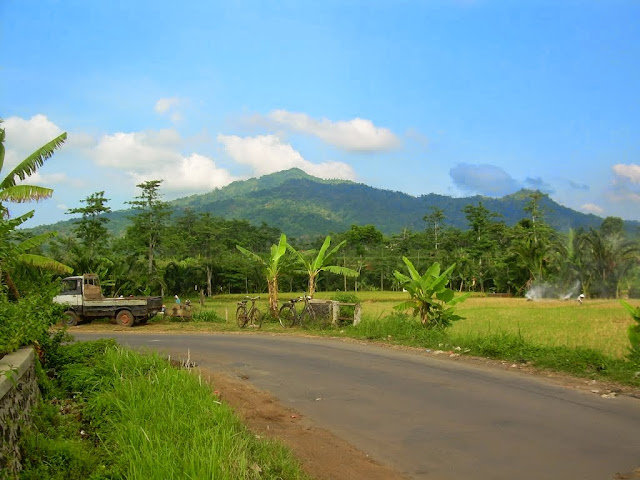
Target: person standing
177	299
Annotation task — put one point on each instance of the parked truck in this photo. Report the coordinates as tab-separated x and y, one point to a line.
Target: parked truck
83	297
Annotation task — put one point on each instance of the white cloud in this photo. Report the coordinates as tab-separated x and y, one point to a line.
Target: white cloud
592	208
52	180
267	154
356	135
626	183
156	155
23	137
27	135
629	172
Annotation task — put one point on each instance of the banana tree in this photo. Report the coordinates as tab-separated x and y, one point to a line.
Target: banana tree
9	189
320	263
11	251
431	299
14	252
271	268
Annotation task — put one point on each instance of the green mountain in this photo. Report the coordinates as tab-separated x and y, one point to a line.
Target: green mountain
303	205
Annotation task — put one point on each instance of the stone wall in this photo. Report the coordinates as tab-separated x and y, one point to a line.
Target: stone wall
18	395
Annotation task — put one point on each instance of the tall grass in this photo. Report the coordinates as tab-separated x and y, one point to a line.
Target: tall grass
153	421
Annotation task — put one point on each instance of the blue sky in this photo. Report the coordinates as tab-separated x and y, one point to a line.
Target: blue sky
456	97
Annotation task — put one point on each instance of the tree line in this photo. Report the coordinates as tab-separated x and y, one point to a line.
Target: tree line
163	251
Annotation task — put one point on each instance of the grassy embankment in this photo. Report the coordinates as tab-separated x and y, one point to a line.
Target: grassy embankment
112	413
588	340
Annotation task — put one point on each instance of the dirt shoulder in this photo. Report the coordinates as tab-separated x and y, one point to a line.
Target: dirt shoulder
322	454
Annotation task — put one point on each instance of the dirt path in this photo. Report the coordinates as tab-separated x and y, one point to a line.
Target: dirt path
323	455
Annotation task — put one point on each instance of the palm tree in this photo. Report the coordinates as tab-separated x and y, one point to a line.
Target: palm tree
321	263
271	268
12	251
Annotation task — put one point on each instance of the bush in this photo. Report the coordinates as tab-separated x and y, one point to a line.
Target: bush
347	310
207	316
27	321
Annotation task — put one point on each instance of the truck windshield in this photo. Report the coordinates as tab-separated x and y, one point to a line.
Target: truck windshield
71	287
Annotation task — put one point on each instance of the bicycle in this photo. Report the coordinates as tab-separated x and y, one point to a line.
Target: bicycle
251	317
289	315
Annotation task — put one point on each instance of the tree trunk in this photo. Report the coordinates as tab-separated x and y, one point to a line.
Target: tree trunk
312	285
209	276
273	296
150	259
13	290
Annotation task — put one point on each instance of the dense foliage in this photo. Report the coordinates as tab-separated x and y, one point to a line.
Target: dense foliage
197	251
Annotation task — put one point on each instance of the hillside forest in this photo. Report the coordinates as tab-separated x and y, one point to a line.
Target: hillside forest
169	251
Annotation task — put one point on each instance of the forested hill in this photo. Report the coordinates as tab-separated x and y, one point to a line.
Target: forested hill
302	205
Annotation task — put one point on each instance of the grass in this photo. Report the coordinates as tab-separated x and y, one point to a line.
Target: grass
142	418
597	324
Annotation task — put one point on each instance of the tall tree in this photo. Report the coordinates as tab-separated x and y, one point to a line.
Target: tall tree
485	234
612	256
435	219
150	221
90	229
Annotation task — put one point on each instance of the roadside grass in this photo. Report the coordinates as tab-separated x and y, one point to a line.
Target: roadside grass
136	416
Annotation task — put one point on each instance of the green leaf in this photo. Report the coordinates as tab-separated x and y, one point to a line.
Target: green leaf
39	261
29	165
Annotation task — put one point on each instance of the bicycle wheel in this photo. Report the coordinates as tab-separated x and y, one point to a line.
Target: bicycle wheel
241	316
287	315
307	317
255	318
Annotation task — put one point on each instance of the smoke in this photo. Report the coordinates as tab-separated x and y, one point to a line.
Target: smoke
538	291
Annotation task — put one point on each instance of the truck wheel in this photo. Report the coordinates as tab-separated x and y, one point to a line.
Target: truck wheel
70	318
125	318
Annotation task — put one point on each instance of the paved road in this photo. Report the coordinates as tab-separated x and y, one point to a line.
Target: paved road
428	418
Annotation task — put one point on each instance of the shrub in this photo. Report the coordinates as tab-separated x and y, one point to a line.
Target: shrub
431	299
27	321
347	310
207	316
634	332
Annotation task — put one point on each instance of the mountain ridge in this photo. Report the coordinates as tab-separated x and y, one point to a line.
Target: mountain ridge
302	205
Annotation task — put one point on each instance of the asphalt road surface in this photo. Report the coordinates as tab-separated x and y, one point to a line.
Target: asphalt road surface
426	417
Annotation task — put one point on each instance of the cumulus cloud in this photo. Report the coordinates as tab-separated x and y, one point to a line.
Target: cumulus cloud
267	154
23	137
53	179
626	183
629	172
356	135
592	208
487	180
156	155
